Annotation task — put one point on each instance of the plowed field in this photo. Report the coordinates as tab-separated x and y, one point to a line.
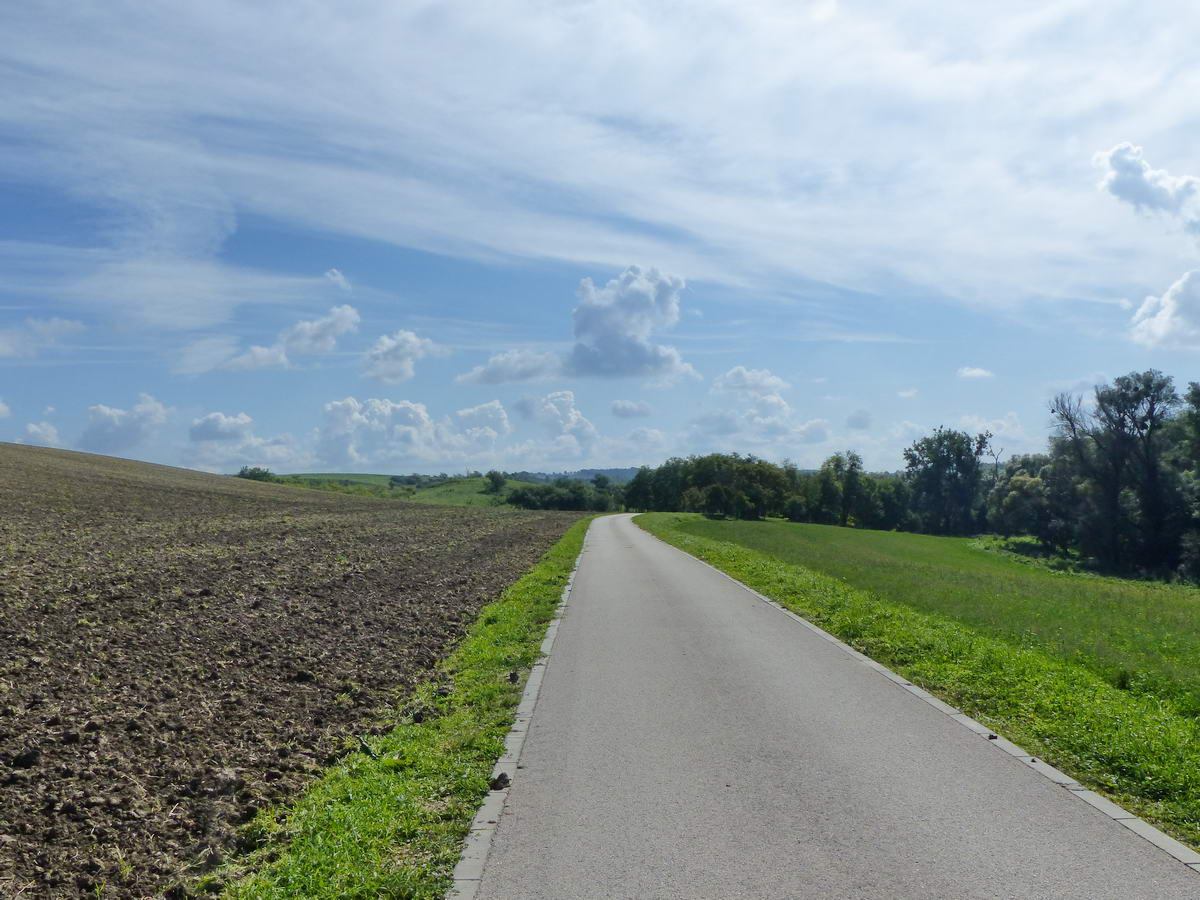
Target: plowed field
178	649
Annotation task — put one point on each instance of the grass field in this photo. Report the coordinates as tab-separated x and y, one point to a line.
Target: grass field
1023	650
356	477
463	492
456	492
1138	635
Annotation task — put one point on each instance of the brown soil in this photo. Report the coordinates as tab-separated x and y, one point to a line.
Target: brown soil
179	649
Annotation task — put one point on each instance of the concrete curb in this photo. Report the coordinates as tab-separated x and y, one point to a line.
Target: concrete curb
1140	827
469	871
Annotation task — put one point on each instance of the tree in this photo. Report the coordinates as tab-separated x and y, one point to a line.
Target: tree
944	471
1132	509
495	482
256	473
639	493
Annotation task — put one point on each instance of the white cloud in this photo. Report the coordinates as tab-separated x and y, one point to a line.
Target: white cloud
35	335
339	279
320	335
614	325
907	394
42	434
751	381
392	358
859	420
974	372
630	409
217	426
305	338
220	442
487	421
763	421
112	430
613	330
1128	177
1171	321
514	365
49	411
5	412
562	419
378	431
258	357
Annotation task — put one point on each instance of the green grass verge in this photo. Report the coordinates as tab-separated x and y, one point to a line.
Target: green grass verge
1139	749
1138	635
391	824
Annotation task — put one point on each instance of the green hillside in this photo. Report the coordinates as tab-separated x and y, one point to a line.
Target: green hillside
462	492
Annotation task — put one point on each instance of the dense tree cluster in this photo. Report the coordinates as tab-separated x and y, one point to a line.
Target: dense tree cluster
1119	482
601	494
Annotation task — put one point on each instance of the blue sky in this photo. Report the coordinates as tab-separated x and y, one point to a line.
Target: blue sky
400	237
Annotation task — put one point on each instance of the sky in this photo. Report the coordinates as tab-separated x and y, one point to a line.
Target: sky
443	236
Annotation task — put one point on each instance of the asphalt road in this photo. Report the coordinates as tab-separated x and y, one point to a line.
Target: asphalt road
691	741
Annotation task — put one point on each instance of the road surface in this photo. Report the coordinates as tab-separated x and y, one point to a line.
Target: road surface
691	741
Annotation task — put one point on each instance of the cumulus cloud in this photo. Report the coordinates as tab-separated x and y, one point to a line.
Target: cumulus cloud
305	338
570	430
392	359
216	426
758	382
320	335
222	442
859	420
630	409
614	326
35	335
1128	177
372	431
42	434
1171	321
487	421
974	372
5	412
111	430
907	394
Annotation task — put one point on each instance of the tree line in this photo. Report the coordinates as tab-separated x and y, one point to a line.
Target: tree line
1119	482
